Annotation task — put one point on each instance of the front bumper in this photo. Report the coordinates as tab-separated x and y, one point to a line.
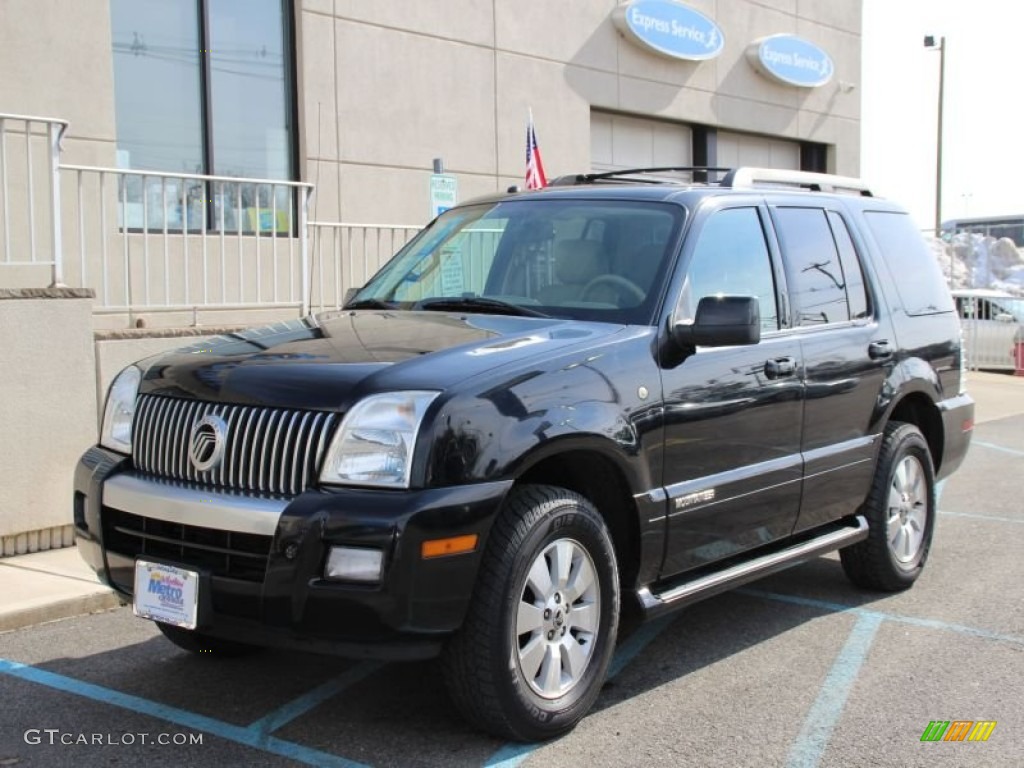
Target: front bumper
262	560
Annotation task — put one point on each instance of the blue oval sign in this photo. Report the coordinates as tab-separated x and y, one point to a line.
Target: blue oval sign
791	60
670	28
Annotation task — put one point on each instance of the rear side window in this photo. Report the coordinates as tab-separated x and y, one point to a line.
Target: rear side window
816	279
853	275
918	279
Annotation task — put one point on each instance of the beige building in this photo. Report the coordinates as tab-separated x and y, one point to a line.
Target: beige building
359	98
228	161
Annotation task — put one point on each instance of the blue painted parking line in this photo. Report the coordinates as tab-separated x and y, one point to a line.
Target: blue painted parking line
511	755
303	704
817	729
240	735
994	447
992	518
831	607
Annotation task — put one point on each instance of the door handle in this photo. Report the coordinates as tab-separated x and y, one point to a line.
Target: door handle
879	350
780	367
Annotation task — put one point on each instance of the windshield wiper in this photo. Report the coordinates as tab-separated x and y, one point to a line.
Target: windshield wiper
370	304
495	306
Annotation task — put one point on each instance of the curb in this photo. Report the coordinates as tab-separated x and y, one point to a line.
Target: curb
59	609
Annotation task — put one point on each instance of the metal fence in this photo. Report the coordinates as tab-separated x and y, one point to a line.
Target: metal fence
990	335
153	241
30	193
345	256
148	241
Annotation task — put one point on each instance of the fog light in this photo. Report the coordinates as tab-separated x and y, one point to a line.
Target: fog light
354	564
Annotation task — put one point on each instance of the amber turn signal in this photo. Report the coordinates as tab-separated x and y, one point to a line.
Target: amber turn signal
455	545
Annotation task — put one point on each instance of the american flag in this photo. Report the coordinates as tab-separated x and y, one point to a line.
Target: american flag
535	178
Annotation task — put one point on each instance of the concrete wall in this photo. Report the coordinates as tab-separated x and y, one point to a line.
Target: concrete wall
386	87
47	413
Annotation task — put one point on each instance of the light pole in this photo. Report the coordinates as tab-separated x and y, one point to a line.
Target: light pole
929	42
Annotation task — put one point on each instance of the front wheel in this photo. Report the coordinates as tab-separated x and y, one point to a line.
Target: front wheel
900	511
531	656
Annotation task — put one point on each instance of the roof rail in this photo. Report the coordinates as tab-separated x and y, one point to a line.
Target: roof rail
740	178
639	175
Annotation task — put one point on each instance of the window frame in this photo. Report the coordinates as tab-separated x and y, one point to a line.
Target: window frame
210	222
828	209
703	212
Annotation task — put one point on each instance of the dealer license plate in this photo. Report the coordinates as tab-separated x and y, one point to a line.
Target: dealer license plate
165	593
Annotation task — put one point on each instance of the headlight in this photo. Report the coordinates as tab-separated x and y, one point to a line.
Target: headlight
116	433
374	444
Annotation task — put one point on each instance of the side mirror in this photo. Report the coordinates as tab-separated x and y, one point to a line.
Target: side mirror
350	293
1005	317
721	321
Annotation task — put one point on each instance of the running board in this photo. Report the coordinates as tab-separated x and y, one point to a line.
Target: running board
680	594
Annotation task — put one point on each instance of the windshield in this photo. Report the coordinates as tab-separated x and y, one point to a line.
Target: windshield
583	259
1013	307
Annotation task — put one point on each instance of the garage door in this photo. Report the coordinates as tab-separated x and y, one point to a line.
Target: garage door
736	149
618	142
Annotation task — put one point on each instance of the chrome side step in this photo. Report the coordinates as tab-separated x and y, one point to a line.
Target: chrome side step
680	594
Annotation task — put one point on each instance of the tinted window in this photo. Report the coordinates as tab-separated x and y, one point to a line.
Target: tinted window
853	276
816	279
732	259
919	281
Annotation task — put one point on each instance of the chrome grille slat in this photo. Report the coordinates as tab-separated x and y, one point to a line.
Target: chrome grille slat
299	455
161	433
267	450
252	484
287	450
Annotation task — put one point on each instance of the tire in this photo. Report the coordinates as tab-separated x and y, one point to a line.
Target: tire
900	510
205	645
531	657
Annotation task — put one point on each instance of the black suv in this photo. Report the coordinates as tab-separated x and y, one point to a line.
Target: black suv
619	388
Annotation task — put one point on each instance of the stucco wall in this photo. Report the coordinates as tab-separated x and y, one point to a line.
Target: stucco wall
47	413
386	87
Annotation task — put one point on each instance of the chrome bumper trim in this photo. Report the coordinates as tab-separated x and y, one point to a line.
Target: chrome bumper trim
189	506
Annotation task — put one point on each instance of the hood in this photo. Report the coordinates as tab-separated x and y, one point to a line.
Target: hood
328	361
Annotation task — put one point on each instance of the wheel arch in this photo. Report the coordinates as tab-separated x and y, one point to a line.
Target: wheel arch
918	409
604	482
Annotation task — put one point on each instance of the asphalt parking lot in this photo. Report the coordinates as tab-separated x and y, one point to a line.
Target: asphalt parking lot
800	669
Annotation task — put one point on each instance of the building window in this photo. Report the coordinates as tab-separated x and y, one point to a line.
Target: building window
205	87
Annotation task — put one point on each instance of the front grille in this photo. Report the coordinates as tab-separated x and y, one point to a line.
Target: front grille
271	451
223	553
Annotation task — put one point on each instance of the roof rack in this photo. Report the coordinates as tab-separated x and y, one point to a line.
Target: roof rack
734	178
639	175
741	178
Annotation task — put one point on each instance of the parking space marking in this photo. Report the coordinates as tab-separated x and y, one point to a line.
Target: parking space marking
303	704
245	736
513	753
994	447
982	517
831	607
817	729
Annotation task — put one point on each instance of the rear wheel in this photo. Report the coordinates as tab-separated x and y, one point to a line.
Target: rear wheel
203	644
900	511
531	656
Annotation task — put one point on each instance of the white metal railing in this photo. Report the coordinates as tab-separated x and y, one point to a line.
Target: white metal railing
151	241
347	255
989	340
30	148
154	241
